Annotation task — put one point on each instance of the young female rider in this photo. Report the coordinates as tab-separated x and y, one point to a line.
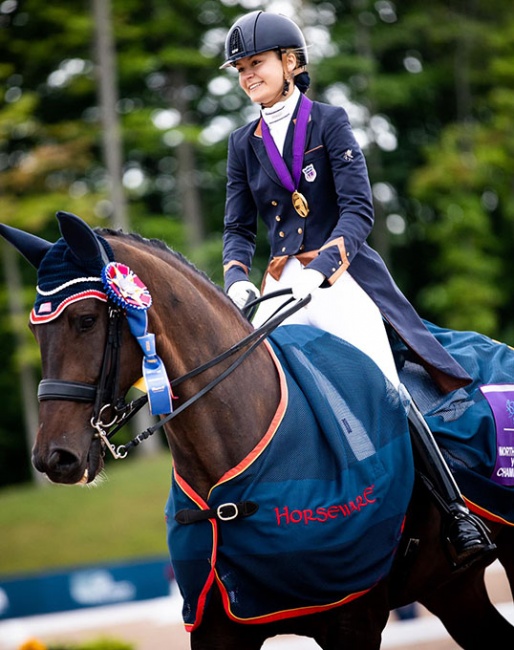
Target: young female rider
301	170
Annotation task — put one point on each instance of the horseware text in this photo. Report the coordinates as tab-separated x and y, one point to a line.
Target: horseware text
286	516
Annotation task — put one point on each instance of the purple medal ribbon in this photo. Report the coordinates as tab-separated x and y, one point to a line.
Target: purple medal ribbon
299	137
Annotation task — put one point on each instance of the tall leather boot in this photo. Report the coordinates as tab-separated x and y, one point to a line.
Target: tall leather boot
466	535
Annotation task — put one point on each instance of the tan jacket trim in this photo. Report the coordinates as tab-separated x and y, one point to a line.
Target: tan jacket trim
232	263
344	263
276	266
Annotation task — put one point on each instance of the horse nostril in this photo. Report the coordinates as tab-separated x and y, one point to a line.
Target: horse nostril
62	460
38	463
60	465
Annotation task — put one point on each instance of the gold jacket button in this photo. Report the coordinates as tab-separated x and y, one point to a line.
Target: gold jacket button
281	234
278	218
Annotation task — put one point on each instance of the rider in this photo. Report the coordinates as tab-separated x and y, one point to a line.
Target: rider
318	212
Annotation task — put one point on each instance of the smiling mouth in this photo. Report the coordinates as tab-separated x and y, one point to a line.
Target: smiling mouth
254	86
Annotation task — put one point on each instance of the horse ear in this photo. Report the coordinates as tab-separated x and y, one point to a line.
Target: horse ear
80	237
33	248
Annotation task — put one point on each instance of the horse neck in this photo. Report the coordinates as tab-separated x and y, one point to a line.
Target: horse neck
193	322
217	432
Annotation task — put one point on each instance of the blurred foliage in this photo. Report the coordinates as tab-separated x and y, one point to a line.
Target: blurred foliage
102	643
429	88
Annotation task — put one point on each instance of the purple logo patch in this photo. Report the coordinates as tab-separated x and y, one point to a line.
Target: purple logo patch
501	401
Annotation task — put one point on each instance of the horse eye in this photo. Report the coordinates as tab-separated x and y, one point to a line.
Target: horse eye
86	323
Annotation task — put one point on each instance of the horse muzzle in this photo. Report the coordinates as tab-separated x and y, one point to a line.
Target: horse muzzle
63	465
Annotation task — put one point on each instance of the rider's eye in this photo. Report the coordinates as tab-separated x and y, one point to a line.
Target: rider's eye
86	323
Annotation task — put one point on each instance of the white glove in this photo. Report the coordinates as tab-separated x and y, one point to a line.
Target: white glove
306	283
241	292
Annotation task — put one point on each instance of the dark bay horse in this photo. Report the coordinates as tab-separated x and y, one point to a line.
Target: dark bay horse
193	321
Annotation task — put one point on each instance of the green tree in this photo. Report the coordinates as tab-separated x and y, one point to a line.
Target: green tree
50	128
428	87
465	178
432	87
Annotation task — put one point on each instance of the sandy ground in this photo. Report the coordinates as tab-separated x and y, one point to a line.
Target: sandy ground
156	625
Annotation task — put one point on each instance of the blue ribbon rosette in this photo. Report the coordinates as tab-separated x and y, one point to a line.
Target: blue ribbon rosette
125	289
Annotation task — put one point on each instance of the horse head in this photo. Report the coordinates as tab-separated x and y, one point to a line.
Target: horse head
70	321
97	336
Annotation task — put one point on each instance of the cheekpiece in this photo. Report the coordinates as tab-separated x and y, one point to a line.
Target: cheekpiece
125	289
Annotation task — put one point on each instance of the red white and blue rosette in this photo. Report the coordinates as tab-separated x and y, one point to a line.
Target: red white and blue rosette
125	289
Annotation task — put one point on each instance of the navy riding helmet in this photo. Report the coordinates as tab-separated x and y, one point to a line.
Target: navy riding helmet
258	32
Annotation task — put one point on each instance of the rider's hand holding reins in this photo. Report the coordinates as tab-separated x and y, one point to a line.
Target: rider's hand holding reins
306	283
243	291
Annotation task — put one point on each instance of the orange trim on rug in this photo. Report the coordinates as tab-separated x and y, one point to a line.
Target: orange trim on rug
202	599
187	489
235	471
478	510
270	433
286	613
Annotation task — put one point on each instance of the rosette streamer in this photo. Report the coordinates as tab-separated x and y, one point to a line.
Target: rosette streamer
125	289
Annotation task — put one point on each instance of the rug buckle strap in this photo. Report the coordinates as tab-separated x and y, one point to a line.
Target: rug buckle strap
227	511
224	512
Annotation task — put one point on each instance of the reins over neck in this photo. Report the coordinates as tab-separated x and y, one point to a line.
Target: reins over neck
251	342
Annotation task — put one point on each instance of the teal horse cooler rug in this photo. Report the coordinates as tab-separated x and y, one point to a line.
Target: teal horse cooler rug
474	426
324	493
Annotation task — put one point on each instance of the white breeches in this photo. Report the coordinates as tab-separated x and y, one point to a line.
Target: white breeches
343	309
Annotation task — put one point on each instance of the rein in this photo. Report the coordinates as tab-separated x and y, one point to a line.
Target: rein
104	394
253	340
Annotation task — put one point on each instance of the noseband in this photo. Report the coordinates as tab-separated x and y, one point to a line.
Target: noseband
73	391
105	393
101	393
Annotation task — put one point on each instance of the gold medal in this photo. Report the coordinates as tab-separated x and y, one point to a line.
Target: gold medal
300	204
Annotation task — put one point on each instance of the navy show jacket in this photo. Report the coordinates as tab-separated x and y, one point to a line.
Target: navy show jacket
335	182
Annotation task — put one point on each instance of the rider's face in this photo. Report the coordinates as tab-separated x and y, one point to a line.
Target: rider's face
261	76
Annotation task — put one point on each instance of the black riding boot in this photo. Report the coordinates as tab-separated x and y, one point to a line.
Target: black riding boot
467	536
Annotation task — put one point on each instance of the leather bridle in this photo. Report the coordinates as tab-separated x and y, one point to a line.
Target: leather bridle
105	394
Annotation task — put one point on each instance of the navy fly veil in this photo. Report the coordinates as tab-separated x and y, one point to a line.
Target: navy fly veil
62	280
65	278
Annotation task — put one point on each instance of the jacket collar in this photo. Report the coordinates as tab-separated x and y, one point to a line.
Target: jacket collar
258	129
260	151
